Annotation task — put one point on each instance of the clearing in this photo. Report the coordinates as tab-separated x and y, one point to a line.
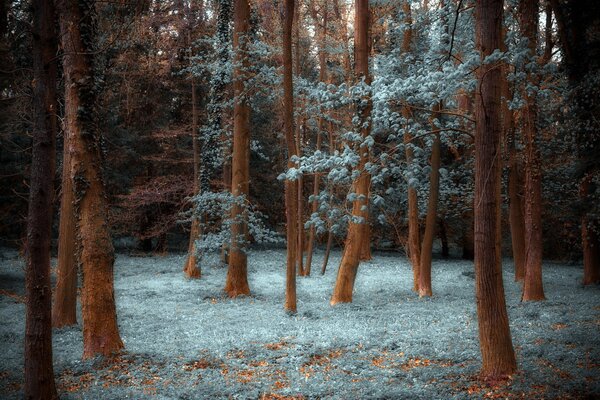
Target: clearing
184	339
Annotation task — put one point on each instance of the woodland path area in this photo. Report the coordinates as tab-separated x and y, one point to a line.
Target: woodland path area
185	339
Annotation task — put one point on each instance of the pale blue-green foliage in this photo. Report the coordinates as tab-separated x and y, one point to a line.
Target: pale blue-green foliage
213	210
420	79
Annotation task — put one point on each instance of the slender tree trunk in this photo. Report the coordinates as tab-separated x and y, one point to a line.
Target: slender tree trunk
517	225
237	273
327	252
414	246
431	219
515	183
321	128
290	186
100	330
64	308
533	288
39	373
498	357
344	285
191	268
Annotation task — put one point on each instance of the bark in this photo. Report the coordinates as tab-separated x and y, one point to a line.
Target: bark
290	186
96	255
498	357
430	220
517	225
515	181
414	247
237	273
532	286
344	285
64	308
321	128
39	373
327	252
191	268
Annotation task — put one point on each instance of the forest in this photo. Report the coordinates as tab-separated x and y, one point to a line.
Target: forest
300	199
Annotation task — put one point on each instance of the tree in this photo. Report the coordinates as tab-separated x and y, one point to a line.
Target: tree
414	249
64	308
237	274
579	34
344	285
322	33
532	286
515	184
39	373
191	268
100	330
291	187
498	357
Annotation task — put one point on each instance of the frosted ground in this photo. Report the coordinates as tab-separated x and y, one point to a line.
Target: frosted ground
185	340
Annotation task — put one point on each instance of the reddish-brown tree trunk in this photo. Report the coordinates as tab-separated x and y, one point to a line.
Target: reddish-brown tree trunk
344	285
237	273
290	186
517	225
533	288
498	357
191	268
321	127
431	218
39	373
64	308
515	184
414	241
100	330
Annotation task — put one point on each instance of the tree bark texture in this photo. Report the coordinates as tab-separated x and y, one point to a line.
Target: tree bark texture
237	273
532	286
39	373
431	218
498	357
191	268
414	241
64	308
96	255
290	186
344	285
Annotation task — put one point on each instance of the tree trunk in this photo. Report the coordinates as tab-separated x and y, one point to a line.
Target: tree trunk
327	252
517	225
237	273
39	373
344	285
100	330
431	219
414	246
321	128
290	186
515	184
64	309
532	286
191	268
498	357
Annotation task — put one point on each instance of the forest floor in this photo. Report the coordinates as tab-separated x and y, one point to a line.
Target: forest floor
185	340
